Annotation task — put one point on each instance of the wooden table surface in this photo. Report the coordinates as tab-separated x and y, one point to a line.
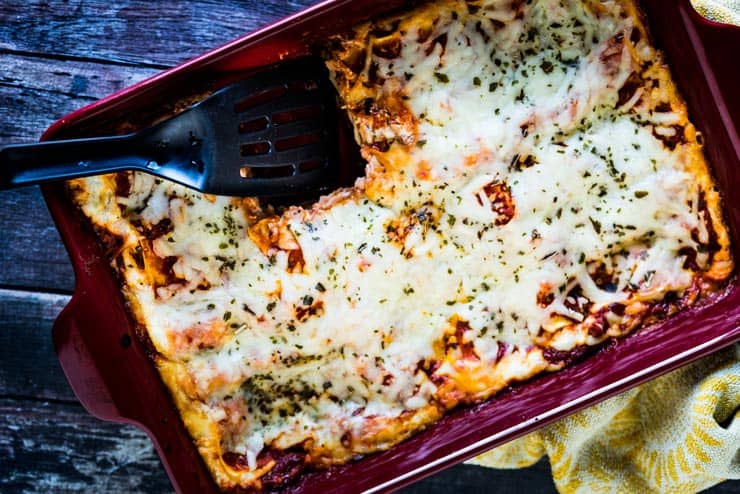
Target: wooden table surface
56	56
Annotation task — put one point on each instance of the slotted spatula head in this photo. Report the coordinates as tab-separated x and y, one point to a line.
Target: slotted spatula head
273	134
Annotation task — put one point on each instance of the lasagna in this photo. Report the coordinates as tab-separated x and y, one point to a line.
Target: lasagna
533	187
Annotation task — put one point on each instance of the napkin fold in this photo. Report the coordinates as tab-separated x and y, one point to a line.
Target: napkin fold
679	433
727	11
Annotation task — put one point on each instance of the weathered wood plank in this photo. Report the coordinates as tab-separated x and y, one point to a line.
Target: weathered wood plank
134	32
36	92
74	79
469	478
28	365
25	113
53	447
59	447
32	253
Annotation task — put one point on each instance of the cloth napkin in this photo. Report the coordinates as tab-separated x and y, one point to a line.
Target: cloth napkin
679	433
727	11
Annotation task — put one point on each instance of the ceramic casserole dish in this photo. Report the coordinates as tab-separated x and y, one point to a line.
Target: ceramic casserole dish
112	375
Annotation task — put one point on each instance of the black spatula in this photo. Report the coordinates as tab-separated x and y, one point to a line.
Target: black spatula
272	134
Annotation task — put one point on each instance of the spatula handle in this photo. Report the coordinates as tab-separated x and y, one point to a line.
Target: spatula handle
29	164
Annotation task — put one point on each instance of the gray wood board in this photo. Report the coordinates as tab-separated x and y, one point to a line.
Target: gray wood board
132	32
59	447
37	91
29	368
32	256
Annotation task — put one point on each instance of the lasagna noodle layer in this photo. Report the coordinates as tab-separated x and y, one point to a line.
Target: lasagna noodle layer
533	187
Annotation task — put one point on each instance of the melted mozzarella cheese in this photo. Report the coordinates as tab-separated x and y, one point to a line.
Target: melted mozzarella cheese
483	222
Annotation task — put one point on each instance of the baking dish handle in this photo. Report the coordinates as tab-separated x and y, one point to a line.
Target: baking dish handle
718	46
78	364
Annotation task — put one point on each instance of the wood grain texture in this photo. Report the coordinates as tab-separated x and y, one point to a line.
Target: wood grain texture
86	81
36	92
30	369
56	447
155	33
33	255
536	479
26	112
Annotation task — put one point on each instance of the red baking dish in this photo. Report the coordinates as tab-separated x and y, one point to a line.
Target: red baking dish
108	368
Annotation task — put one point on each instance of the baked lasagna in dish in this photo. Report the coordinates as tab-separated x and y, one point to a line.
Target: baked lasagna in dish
533	187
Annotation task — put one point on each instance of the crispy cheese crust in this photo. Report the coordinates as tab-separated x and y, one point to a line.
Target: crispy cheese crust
533	187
